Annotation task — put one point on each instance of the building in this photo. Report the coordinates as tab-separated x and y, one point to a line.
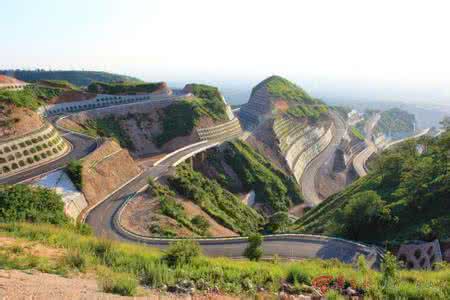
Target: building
11	83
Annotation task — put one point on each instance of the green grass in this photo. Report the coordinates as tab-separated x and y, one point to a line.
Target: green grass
121	266
32	96
109	127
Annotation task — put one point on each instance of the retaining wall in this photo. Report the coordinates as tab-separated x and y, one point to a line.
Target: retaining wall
32	149
231	129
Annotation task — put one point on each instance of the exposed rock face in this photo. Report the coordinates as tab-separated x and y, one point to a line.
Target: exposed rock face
105	170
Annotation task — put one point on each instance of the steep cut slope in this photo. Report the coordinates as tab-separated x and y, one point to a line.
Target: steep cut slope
105	170
405	196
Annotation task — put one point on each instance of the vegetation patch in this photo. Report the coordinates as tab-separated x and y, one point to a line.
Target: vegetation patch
180	118
74	170
127	87
108	127
78	78
217	202
120	267
32	96
19	203
394	121
271	186
357	133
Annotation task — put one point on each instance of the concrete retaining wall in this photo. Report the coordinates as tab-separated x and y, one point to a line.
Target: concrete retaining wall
231	128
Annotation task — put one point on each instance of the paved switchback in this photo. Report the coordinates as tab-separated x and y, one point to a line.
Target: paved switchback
308	183
360	160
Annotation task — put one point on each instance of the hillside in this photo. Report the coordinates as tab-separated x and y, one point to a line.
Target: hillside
99	268
208	197
151	128
78	78
404	196
396	123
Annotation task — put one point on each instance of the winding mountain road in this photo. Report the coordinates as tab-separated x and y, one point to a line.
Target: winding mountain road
308	182
103	218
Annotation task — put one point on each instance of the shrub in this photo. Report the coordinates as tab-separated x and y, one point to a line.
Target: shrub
389	270
157	274
254	250
296	275
76	259
124	284
201	223
74	170
181	252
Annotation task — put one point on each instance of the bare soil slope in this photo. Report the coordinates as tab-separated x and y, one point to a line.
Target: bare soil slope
16	121
106	169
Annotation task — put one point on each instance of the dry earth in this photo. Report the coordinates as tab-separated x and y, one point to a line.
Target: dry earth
17	121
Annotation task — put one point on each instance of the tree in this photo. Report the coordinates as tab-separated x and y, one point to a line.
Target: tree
363	217
278	222
254	250
74	170
181	252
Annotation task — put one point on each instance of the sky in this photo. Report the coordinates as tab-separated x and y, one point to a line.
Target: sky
356	48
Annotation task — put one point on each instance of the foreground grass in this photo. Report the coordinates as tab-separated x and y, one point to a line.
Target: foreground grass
120	267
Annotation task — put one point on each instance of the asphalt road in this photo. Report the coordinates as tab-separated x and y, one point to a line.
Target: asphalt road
308	182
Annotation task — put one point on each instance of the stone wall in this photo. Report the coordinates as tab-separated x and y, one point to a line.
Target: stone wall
229	129
32	149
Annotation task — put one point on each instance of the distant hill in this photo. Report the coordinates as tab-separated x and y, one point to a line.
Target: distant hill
79	78
396	123
404	197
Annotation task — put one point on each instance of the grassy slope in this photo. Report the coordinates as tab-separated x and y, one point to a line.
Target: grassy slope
31	97
415	189
219	203
256	172
124	265
180	118
78	78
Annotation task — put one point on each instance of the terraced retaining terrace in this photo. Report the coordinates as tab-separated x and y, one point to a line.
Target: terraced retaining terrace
300	143
229	129
30	150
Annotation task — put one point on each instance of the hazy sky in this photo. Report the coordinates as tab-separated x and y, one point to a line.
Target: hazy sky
365	48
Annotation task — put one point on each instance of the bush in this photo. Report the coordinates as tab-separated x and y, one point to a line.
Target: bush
181	252
296	275
19	203
254	250
157	274
123	284
74	170
76	259
201	223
